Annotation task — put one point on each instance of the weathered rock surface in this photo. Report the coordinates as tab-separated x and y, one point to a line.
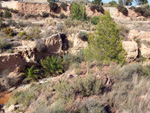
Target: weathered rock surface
145	51
30	52
131	48
138	34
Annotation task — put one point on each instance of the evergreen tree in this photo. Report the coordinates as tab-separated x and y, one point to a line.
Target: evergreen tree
105	44
98	2
78	11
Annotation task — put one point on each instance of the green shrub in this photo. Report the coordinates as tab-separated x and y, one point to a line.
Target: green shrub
45	14
31	74
83	35
34	33
123	10
77	11
53	6
85	86
64	6
7	14
140	10
8	31
23	33
146	13
52	66
97	7
62	15
105	45
94	20
113	4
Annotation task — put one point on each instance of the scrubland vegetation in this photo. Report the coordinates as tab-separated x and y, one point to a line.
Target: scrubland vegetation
97	79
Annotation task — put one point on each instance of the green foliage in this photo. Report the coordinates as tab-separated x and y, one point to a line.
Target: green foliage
97	2
7	14
52	66
113	3
143	11
77	11
31	74
105	45
85	86
64	6
53	6
122	9
94	20
34	33
23	33
97	7
8	31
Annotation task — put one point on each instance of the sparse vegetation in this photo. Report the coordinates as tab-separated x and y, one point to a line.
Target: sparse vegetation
95	20
45	14
3	45
53	6
64	6
8	31
122	9
83	35
7	14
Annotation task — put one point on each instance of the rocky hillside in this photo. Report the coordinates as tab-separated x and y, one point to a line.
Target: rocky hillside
54	59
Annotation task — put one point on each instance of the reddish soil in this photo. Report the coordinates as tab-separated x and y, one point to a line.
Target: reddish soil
4	96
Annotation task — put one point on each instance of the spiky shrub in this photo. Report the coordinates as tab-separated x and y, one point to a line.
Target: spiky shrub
105	44
94	20
8	31
31	74
52	65
7	14
123	10
53	6
77	11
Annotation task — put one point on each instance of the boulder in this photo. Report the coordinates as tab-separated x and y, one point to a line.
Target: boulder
131	48
145	51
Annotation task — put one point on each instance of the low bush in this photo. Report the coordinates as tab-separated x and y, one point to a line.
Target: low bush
85	86
83	35
34	33
52	65
140	10
8	31
123	10
3	45
113	4
97	7
45	14
62	15
7	14
146	13
31	74
64	6
94	20
23	33
53	6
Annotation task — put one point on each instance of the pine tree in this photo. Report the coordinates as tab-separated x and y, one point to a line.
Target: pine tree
105	44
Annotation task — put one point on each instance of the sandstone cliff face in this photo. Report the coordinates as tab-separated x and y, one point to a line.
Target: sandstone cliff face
131	48
30	52
33	8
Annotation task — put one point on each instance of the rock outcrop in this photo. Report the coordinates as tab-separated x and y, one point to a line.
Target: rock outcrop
131	48
145	51
30	52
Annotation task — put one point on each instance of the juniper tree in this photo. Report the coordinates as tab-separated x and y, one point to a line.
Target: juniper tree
105	44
